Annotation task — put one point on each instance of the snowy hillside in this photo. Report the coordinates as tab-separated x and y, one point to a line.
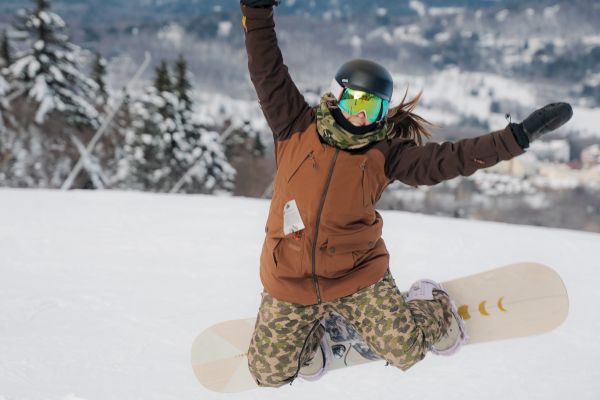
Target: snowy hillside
102	293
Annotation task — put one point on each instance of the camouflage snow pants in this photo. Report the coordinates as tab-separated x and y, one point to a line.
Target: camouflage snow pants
287	335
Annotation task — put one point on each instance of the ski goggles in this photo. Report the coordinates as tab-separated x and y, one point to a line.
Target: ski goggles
354	101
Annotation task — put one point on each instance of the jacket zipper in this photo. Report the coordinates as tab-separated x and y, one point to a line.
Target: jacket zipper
321	205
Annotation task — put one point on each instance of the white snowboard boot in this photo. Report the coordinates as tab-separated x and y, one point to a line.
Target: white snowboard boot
317	367
456	335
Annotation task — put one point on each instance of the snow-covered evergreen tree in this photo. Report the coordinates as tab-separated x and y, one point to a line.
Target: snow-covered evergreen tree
162	81
210	170
99	76
116	165
49	70
5	50
165	150
49	111
4	139
147	163
4	87
183	85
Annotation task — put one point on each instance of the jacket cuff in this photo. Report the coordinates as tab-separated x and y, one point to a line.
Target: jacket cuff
512	142
520	136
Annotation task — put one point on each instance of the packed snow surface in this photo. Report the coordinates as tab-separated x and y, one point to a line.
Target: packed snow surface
102	294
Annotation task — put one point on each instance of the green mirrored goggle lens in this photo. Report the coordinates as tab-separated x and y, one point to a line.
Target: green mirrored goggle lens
355	101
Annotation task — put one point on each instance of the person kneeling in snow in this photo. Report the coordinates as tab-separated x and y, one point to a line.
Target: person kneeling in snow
323	250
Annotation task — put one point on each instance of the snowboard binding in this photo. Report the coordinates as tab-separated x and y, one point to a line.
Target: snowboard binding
340	345
456	335
316	368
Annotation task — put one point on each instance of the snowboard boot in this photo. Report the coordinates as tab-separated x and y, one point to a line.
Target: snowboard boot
456	335
317	367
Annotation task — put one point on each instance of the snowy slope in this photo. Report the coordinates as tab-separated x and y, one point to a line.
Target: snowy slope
102	293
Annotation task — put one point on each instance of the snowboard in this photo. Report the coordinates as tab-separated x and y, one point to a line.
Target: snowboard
513	301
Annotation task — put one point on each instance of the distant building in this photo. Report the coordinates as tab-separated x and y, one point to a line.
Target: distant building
590	156
554	151
591	177
524	165
561	176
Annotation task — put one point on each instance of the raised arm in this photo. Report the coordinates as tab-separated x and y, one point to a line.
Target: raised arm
433	163
283	105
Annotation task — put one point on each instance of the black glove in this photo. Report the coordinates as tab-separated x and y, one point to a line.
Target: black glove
541	121
260	3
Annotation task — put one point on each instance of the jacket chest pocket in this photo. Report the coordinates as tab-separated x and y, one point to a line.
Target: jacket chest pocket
303	165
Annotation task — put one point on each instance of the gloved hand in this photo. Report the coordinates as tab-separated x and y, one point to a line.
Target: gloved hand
541	121
260	3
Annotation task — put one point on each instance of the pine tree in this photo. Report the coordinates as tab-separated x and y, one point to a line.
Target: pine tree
99	76
162	81
182	83
5	50
205	163
52	107
182	88
5	139
50	70
165	150
210	172
116	163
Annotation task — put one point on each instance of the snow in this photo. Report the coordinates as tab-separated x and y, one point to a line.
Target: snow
102	294
381	12
356	41
410	34
33	68
4	86
57	75
50	18
552	11
418	7
585	121
554	150
18	67
224	28
444	11
530	12
452	91
591	40
442	37
39	45
502	15
452	95
47	104
493	184
214	107
172	33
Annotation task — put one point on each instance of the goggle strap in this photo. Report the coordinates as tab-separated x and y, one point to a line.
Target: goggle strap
336	89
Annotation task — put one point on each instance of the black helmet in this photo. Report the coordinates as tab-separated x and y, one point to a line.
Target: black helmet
364	75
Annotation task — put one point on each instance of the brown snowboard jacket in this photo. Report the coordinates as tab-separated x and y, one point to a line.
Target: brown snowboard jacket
340	250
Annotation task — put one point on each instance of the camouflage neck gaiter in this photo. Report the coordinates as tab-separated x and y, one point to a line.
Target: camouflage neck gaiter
334	135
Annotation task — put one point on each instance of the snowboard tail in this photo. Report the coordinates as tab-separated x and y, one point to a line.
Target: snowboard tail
513	301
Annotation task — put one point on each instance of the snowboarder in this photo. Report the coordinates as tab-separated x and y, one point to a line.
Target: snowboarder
323	250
